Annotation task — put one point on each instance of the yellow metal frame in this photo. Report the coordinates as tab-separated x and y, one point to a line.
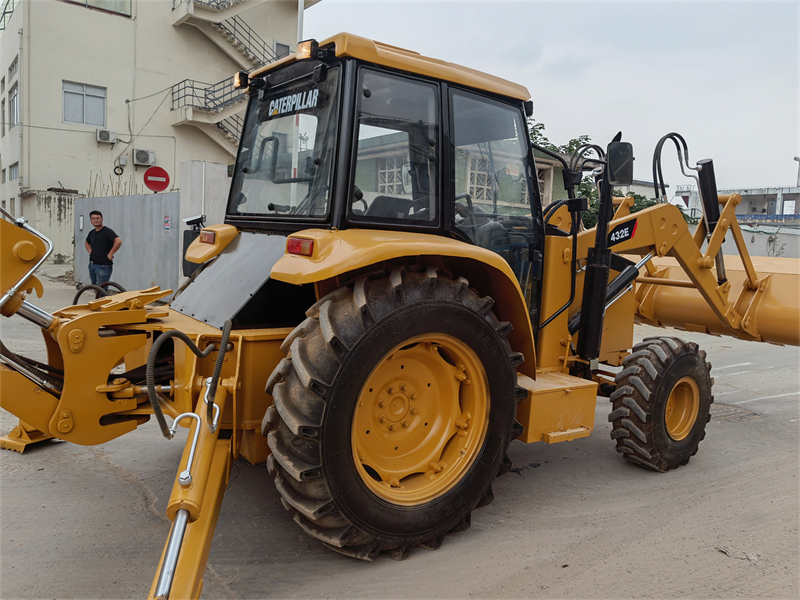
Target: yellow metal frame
340	256
349	45
199	252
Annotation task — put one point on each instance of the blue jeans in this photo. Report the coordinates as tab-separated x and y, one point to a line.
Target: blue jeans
100	273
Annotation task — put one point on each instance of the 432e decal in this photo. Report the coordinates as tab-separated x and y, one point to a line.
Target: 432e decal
622	232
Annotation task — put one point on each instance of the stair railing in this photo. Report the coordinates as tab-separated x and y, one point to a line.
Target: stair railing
247	36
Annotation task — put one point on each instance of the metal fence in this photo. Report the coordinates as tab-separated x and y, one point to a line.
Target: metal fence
769	218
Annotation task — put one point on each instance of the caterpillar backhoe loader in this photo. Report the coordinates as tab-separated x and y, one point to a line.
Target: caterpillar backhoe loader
388	305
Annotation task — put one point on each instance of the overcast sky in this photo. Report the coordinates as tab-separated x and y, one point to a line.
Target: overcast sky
722	74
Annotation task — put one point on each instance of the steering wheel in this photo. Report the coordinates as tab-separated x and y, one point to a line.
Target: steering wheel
358	196
467	212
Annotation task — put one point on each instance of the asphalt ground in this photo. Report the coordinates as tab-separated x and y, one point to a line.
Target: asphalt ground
572	520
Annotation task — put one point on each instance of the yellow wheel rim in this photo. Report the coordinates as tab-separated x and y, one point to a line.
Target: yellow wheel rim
421	419
682	408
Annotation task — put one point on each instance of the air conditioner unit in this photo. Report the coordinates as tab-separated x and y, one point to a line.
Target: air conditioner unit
106	136
144	158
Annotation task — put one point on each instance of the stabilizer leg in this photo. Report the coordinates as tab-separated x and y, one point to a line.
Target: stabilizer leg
22	436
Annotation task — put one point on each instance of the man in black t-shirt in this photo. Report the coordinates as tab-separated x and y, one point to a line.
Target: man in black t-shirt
102	244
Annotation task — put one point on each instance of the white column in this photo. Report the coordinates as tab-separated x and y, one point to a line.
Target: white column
300	7
779	203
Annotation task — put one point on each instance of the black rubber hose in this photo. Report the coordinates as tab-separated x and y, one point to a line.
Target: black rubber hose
658	177
99	292
552	208
114	284
212	388
150	372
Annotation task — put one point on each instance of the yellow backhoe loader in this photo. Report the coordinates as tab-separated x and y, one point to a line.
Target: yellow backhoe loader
388	305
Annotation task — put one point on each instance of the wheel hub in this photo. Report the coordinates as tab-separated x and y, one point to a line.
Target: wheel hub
682	408
414	433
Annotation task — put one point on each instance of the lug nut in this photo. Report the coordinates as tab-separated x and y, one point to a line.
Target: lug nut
392	427
414	410
406	423
382	403
382	418
390	390
403	388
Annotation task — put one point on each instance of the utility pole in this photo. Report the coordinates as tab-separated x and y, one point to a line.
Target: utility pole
797	158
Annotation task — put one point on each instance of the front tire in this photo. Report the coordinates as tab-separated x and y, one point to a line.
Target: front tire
393	412
662	403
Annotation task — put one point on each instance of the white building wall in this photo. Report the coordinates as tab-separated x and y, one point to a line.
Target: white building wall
132	58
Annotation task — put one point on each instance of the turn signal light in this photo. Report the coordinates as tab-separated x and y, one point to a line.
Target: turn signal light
208	237
241	80
307	49
300	246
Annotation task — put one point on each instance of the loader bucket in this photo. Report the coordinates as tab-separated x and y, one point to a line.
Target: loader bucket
770	313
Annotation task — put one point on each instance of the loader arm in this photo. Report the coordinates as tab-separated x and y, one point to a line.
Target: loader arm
662	231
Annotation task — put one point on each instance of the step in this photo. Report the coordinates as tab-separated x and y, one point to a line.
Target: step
558	408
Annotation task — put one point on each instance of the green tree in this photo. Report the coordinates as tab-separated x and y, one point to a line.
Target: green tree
587	188
539	138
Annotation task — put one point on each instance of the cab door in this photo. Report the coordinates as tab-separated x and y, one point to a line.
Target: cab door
495	203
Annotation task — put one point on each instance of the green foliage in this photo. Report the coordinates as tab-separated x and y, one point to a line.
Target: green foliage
586	188
539	138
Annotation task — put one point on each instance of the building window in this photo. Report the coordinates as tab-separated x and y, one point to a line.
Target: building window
84	104
3	176
13	172
480	186
13	105
2	85
389	174
11	208
3	117
12	70
282	50
122	7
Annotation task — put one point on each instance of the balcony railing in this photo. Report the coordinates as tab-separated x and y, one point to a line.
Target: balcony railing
211	97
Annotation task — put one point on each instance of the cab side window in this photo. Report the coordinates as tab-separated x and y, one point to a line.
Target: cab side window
492	199
397	133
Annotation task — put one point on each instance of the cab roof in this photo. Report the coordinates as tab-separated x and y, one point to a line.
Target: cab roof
349	45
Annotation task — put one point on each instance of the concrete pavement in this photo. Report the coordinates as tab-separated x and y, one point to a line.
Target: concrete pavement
572	520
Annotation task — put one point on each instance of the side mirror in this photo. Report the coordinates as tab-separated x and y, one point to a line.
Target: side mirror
620	163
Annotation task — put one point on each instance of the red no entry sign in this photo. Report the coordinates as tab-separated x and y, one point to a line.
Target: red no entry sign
156	178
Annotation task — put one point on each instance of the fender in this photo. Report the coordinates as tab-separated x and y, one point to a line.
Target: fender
337	253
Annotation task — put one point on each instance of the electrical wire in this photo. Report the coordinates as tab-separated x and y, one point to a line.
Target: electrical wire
145	125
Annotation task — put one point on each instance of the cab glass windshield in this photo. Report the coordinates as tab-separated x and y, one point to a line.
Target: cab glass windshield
285	163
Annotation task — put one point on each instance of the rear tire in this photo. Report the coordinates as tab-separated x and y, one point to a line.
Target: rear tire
393	412
662	403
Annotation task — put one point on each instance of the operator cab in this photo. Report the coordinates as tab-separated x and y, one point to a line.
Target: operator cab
352	133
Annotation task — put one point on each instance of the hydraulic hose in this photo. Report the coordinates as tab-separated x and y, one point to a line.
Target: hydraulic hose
99	292
212	386
151	365
551	209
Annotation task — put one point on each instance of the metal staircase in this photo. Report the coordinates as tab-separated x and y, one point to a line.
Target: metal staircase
7	11
215	108
246	40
